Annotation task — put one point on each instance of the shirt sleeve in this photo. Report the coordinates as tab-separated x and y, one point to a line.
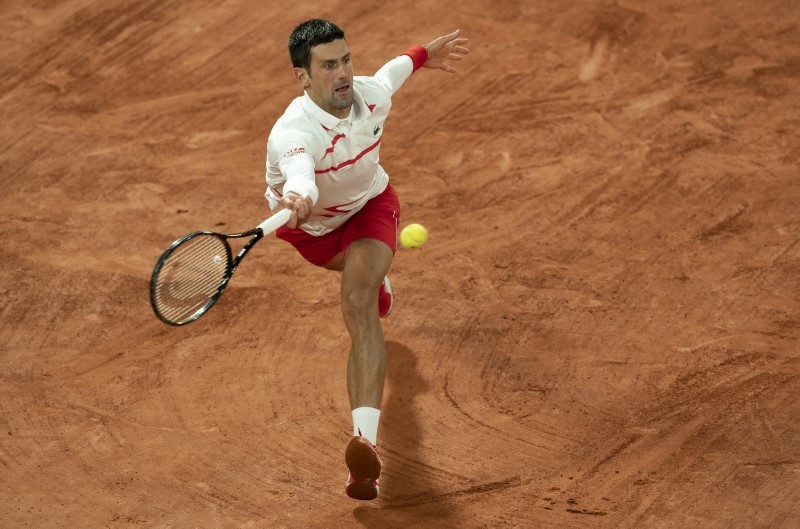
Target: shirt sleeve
393	74
292	156
300	177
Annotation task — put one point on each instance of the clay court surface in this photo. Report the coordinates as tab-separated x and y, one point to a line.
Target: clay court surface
601	332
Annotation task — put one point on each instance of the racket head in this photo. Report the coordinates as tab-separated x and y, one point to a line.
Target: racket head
190	276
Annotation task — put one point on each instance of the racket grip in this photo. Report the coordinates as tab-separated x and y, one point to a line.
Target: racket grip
275	221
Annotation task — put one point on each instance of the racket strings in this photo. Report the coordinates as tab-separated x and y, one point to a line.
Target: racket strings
190	276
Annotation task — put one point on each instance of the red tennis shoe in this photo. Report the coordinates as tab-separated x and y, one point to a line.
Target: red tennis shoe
385	298
365	468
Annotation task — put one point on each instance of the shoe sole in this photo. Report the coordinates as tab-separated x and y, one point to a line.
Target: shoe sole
362	490
365	468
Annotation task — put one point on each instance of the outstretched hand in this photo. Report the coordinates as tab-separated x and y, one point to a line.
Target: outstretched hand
445	48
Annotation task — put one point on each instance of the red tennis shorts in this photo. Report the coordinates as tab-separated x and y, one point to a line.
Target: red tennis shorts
378	219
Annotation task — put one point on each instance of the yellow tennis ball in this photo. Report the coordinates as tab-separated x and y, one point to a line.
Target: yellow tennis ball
413	236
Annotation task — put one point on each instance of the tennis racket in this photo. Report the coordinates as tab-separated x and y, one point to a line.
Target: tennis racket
193	272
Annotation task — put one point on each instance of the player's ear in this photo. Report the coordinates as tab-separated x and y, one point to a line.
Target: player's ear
302	77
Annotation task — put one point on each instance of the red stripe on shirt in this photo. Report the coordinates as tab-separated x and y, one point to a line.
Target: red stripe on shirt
349	162
333	144
336	209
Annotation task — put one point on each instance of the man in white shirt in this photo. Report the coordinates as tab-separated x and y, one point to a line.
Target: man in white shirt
322	163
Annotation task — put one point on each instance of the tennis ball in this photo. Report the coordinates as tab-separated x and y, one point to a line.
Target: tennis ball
413	236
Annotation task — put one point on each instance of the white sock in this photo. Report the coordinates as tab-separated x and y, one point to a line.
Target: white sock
366	420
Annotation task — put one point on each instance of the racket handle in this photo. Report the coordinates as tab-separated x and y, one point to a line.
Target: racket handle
276	221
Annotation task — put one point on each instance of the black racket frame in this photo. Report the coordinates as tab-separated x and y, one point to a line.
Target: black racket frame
257	234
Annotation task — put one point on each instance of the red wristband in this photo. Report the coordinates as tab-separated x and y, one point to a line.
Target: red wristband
419	55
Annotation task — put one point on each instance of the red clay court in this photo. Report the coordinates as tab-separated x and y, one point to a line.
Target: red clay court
602	331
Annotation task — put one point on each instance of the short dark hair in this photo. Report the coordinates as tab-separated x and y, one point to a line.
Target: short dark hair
309	34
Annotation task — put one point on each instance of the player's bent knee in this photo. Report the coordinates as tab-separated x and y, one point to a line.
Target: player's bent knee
359	301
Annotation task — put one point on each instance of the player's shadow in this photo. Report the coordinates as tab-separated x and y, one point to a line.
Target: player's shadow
409	490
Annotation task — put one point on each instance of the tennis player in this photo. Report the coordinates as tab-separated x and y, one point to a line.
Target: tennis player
322	164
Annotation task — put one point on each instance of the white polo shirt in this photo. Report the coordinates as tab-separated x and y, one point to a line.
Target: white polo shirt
335	161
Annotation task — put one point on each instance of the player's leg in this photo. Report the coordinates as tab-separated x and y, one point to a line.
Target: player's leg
366	264
369	240
362	249
385	294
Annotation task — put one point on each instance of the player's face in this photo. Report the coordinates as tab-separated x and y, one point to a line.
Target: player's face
329	82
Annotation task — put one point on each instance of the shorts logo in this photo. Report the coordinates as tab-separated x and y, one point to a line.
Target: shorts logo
295	151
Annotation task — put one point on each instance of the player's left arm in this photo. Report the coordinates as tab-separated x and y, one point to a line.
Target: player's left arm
444	49
437	54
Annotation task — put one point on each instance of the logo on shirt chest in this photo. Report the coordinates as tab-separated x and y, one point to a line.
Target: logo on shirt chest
376	130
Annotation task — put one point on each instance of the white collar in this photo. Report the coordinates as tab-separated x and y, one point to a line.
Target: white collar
328	120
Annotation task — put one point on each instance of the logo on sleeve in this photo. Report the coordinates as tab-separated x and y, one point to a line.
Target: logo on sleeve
294	152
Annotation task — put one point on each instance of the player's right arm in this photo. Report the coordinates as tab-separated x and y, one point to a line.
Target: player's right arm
301	207
290	174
